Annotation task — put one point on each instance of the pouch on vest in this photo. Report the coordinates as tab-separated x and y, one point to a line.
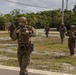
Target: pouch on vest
31	46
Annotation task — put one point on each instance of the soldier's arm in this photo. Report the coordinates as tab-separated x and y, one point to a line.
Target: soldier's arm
70	34
30	30
60	28
67	33
14	35
75	35
65	29
33	32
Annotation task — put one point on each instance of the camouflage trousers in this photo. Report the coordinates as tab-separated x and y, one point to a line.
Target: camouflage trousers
46	33
24	53
71	45
62	37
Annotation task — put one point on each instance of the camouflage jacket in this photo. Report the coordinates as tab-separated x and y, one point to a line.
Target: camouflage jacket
47	28
71	33
23	36
62	29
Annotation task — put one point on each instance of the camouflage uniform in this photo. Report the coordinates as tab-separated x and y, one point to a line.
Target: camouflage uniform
71	40
47	28
25	47
62	30
11	29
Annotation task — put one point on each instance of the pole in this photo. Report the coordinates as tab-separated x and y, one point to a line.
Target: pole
66	4
62	11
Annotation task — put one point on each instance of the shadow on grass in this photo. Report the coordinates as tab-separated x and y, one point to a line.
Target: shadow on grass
60	56
56	43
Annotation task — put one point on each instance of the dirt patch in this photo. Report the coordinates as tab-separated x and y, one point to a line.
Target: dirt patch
9	45
6	58
5	38
7	50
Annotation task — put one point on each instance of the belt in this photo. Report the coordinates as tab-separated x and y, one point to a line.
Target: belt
24	47
23	44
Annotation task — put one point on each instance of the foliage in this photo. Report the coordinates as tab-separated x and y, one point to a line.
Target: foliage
40	19
74	9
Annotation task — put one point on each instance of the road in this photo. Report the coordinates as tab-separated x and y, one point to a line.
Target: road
13	72
41	31
8	70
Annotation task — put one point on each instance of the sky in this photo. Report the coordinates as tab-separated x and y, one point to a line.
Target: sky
6	7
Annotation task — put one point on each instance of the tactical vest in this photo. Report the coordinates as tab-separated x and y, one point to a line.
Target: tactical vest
72	33
24	37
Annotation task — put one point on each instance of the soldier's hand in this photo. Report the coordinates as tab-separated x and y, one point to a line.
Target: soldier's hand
27	31
18	31
74	36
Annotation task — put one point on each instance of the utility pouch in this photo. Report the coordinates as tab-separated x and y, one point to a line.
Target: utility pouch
31	46
28	47
22	47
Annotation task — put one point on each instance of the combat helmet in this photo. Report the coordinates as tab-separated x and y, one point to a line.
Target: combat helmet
22	19
72	26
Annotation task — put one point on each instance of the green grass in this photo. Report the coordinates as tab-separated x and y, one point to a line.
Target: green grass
10	62
4	34
7	42
8	54
42	59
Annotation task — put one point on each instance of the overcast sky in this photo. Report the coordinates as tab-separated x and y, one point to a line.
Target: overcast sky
6	7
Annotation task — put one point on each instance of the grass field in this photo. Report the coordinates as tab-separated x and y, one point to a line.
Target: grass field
49	54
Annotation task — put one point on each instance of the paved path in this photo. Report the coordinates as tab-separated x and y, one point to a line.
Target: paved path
37	30
6	70
13	72
41	32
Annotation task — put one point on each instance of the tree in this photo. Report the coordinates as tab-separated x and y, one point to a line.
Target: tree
9	17
15	12
74	9
2	23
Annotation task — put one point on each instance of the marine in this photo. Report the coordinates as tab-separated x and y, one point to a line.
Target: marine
47	29
72	39
11	29
62	30
23	34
